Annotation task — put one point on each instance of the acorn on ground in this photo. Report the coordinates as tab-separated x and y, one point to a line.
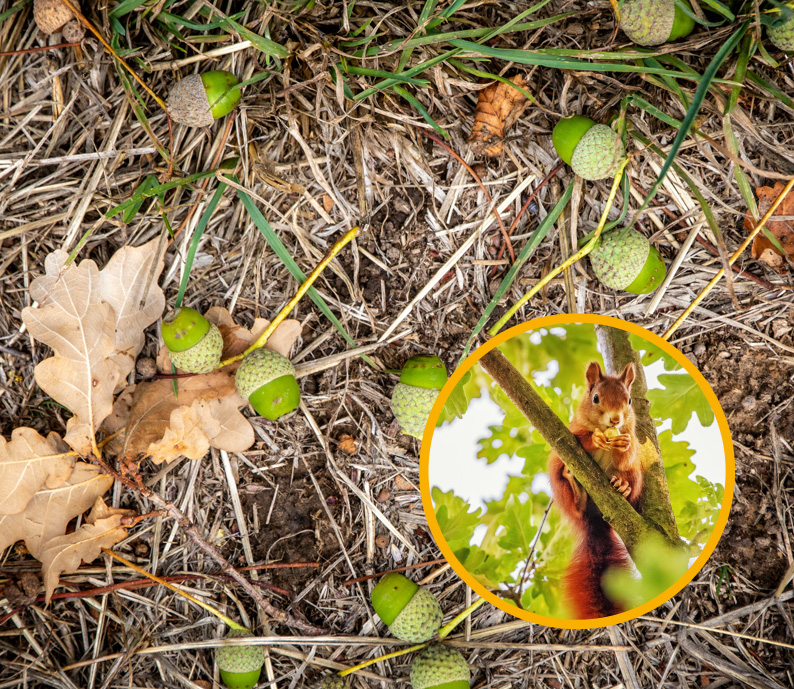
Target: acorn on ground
334	682
267	380
653	22
240	666
53	15
413	397
625	260
782	33
410	612
200	99
594	151
194	343
440	667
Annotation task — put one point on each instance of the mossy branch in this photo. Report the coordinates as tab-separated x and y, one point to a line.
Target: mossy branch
632	527
617	350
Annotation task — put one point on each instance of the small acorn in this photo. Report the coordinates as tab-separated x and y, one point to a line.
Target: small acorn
334	682
240	666
53	15
625	260
267	380
440	667
594	151
200	99
653	22
611	433
413	397
194	343
782	34
410	612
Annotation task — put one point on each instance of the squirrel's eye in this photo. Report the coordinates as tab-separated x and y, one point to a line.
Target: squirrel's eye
629	401
595	398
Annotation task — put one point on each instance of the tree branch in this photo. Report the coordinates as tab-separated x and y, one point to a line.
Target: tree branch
617	350
632	527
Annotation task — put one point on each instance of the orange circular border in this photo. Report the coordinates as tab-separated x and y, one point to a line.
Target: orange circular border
548	322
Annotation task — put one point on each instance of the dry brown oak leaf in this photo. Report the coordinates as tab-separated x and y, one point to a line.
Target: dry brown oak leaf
498	107
206	410
94	323
782	230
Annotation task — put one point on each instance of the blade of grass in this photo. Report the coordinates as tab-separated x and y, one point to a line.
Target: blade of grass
426	115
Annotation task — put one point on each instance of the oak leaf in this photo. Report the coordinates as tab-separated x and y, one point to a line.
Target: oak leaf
782	230
29	462
498	107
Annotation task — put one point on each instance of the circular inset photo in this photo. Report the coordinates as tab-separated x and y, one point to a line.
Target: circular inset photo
577	471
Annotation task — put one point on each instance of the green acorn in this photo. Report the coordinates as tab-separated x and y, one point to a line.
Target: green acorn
653	22
413	397
194	344
200	99
782	34
593	150
239	665
625	260
267	380
334	682
440	667
410	612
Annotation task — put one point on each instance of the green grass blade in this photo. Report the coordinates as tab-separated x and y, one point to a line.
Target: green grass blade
264	45
421	108
148	182
159	189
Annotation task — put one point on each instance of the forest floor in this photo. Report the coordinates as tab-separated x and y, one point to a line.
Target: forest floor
318	163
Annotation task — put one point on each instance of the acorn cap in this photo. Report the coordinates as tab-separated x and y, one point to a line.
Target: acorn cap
334	682
198	100
625	260
54	15
419	620
424	372
194	344
267	380
412	407
653	22
782	35
240	666
567	133
439	667
598	153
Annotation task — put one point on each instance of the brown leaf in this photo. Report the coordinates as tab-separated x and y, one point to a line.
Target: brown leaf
81	329
235	433
184	436
348	444
51	509
28	462
498	107
782	230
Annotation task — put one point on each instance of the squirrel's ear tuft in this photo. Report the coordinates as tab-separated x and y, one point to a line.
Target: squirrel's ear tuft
627	377
593	374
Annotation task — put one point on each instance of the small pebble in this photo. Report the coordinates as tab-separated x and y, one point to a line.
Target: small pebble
700	349
749	403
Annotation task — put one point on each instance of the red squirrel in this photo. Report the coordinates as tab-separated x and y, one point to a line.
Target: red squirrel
606	405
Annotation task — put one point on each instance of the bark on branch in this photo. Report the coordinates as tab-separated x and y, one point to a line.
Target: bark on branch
632	527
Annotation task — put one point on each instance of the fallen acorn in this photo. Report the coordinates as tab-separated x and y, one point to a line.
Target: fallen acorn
334	682
440	667
412	400
200	99
240	666
267	380
410	612
53	15
653	22
781	34
194	343
625	260
594	151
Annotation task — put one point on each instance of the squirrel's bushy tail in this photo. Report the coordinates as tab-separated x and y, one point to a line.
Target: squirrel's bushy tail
598	549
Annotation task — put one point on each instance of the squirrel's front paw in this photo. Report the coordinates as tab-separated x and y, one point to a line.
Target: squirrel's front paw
600	440
622	486
621	442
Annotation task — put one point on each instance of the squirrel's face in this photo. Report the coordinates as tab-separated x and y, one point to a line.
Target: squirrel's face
608	401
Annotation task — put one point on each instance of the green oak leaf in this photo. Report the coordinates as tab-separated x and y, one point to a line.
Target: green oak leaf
676	401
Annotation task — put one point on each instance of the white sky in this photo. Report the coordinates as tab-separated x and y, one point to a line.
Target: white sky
453	452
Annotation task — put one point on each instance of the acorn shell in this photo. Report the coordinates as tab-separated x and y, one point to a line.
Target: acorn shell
782	35
625	260
424	372
567	134
392	593
267	380
439	665
240	666
598	153
412	406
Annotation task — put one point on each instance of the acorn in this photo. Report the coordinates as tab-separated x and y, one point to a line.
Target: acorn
413	397
653	22
240	666
611	433
200	99
782	33
594	151
334	682
194	343
440	667
625	260
53	15
410	612
267	380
